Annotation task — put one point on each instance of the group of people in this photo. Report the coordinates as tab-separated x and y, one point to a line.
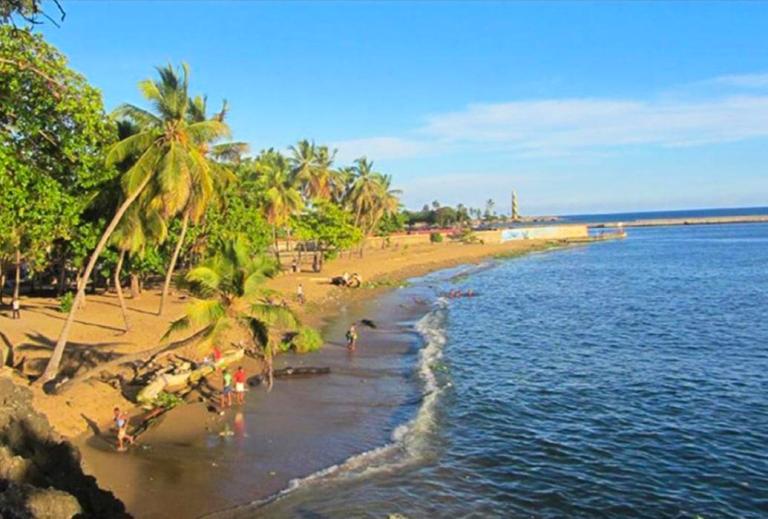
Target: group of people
238	388
346	280
456	293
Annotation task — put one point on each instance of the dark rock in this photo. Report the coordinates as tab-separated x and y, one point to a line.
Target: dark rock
40	474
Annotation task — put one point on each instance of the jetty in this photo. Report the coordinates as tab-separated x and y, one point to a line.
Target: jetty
703	220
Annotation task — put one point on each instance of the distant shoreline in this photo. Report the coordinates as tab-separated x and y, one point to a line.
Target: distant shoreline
702	220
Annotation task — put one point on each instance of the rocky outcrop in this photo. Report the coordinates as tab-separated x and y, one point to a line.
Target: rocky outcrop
40	474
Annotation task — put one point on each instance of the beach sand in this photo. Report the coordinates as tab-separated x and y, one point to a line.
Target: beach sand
188	429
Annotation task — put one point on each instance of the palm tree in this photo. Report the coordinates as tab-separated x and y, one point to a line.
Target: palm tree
206	186
281	199
229	295
364	188
166	147
341	184
311	169
386	202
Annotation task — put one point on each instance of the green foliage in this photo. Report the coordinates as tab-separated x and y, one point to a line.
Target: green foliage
306	340
167	400
238	214
229	293
467	236
329	225
392	223
441	216
435	237
65	302
386	283
53	131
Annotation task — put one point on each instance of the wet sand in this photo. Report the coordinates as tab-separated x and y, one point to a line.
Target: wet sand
195	463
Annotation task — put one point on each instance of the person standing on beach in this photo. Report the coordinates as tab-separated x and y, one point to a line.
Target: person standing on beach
240	385
300	294
15	309
351	338
226	391
121	424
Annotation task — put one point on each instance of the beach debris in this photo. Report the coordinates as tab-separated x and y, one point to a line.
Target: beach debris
166	379
292	372
368	323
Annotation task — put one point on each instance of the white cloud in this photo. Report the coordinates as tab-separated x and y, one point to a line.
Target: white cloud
743	80
550	127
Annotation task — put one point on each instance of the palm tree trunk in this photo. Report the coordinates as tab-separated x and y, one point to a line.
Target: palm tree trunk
62	277
2	280
277	245
18	276
174	258
52	369
119	290
135	289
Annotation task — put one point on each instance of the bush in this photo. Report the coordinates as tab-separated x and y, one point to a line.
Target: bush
435	237
304	341
467	236
65	302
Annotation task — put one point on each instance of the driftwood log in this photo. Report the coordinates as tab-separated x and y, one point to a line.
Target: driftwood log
292	372
168	380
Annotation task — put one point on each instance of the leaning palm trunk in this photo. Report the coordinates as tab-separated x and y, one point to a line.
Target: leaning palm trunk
119	290
52	369
174	258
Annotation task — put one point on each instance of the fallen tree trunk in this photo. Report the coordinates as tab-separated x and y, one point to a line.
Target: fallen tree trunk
291	372
167	380
126	359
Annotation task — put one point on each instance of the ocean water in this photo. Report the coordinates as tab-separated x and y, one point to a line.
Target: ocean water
620	379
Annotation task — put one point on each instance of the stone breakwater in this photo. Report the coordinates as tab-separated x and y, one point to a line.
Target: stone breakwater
704	220
40	474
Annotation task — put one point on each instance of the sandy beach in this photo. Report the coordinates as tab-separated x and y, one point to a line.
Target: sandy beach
98	335
84	412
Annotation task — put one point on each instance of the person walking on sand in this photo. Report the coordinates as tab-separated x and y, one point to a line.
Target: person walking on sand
15	308
300	294
226	390
240	385
121	424
351	338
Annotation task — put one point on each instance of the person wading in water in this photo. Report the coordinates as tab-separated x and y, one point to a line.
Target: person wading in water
351	338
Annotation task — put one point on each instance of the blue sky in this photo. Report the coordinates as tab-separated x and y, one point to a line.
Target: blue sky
579	107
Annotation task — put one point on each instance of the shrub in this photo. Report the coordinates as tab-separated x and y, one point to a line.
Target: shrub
167	400
307	339
65	302
435	237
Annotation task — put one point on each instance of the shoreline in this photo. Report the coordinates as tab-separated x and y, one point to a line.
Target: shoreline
176	425
383	270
